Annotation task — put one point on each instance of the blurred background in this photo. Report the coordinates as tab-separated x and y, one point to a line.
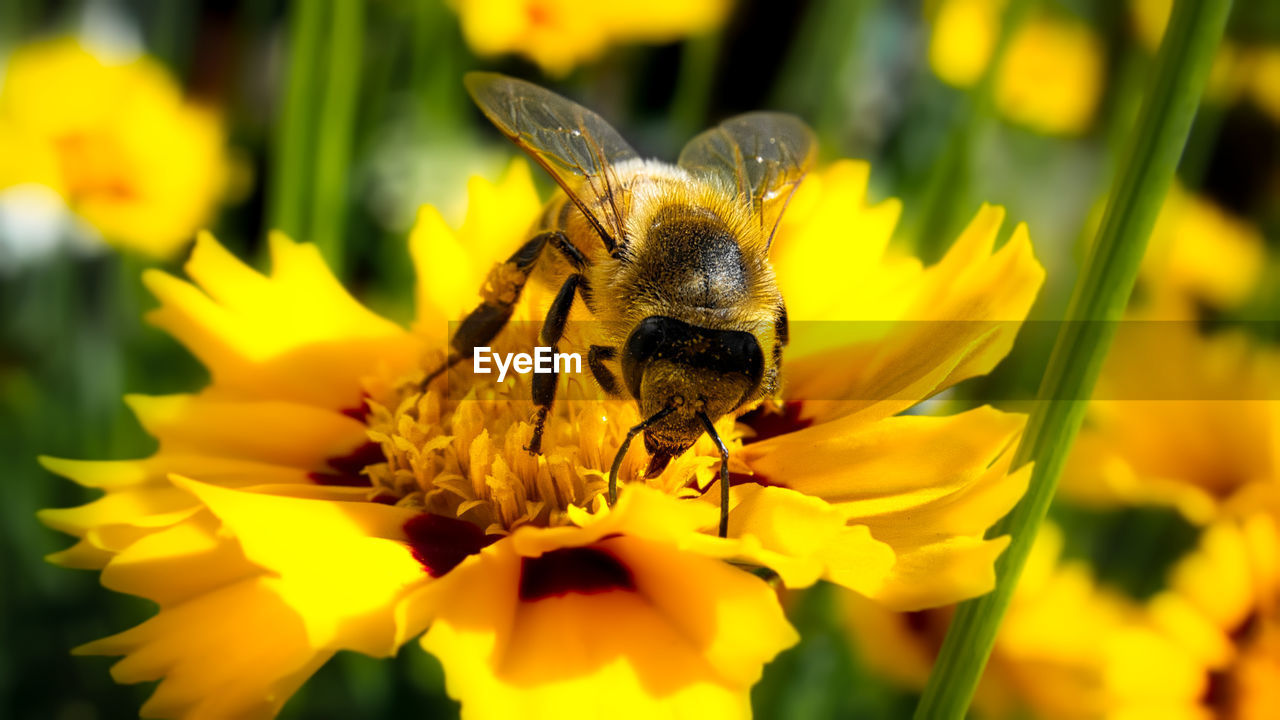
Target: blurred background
127	126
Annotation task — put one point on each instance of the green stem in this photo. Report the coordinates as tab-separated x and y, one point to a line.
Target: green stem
342	55
169	29
294	134
13	21
694	85
1204	138
820	74
1147	169
946	195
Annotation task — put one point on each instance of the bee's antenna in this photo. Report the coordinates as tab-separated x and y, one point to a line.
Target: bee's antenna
626	443
724	471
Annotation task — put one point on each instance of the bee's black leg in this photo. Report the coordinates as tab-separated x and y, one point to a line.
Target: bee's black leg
483	324
596	358
782	335
724	472
544	384
626	443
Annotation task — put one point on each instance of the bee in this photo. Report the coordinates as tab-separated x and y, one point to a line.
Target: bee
672	261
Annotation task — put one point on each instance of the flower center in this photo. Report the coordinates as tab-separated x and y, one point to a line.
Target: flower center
93	165
458	449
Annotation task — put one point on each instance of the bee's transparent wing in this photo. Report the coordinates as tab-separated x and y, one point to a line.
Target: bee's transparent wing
566	139
763	156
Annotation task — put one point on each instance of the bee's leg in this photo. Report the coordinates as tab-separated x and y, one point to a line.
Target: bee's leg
483	324
544	384
724	472
626	443
782	335
596	357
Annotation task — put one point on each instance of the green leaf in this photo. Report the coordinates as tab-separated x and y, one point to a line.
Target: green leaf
1147	169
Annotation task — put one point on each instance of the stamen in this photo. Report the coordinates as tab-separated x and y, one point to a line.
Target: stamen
459	454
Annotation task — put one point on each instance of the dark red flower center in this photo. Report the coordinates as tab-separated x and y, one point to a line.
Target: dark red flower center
768	422
583	570
346	468
440	543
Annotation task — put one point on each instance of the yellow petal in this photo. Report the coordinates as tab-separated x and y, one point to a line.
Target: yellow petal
962	319
248	430
105	474
152	506
84	555
343	566
803	539
641	511
852	279
294	335
941	573
237	652
672	646
897	463
452	264
931	507
179	563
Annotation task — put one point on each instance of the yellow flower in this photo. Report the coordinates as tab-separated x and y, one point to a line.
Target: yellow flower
1201	254
1265	80
1223	606
1068	649
115	140
1051	77
1239	70
312	499
1179	420
561	34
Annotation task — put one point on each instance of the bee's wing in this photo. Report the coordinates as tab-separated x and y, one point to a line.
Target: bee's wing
761	155
566	139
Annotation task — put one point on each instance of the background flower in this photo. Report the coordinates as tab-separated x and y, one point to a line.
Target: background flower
116	139
1050	79
1070	648
561	34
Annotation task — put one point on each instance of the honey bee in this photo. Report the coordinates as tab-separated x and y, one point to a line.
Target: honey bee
672	261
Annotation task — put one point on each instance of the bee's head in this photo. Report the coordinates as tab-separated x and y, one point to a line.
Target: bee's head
670	363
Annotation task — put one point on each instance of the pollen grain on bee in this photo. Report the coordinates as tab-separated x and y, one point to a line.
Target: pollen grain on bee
544	360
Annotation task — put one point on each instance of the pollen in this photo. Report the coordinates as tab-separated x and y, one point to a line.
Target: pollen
459	450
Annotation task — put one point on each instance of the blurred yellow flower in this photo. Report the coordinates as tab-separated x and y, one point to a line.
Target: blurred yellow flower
1051	76
314	499
1223	606
1265	80
1149	20
116	140
1199	253
1179	420
1069	649
561	34
1239	70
